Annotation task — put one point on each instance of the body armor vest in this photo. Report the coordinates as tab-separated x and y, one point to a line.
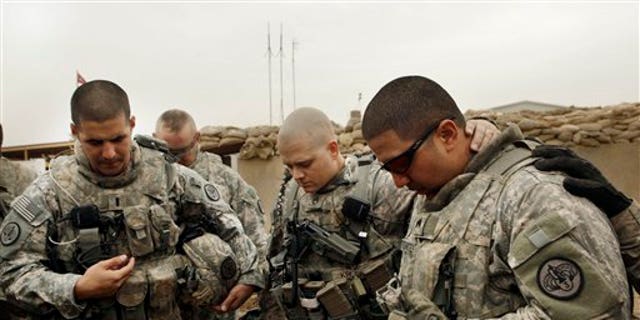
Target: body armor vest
459	237
136	219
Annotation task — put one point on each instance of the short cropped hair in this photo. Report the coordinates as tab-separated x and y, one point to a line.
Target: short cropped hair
407	106
307	123
175	120
99	100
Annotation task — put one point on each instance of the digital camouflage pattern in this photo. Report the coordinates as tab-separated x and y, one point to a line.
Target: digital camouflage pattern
242	197
627	226
390	209
244	201
14	178
522	247
149	204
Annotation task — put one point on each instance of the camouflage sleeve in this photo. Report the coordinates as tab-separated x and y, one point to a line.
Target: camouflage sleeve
562	251
203	197
627	227
25	176
391	206
246	204
24	277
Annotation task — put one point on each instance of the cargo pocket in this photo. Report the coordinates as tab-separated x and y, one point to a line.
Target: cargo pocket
131	296
434	263
164	230
558	272
138	231
162	292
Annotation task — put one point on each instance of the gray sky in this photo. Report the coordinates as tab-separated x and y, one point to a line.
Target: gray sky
210	58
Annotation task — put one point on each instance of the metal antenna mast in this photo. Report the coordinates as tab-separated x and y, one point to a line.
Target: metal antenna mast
293	70
281	88
269	54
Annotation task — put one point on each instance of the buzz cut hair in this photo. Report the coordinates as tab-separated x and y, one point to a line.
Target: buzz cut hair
175	120
408	105
307	123
99	100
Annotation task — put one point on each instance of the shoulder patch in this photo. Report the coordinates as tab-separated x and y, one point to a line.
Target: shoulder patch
228	268
211	192
560	278
10	233
25	208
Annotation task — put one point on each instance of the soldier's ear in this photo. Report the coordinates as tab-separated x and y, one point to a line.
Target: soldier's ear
196	138
132	122
334	148
74	129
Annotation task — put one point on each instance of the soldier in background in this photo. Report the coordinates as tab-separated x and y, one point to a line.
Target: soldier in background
98	237
178	129
492	236
14	178
349	203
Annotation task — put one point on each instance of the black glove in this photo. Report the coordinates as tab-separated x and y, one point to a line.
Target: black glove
584	180
190	232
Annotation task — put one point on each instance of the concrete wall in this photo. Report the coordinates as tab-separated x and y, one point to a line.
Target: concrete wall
619	162
266	177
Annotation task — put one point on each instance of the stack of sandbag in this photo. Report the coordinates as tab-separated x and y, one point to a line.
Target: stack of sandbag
260	143
221	136
574	126
350	137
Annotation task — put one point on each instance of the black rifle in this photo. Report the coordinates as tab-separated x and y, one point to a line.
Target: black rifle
329	244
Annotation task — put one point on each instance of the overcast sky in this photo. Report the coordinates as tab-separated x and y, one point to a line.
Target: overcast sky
211	58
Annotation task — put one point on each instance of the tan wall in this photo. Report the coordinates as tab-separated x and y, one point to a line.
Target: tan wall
266	177
619	162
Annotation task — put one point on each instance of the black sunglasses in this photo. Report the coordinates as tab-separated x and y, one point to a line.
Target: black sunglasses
402	162
178	153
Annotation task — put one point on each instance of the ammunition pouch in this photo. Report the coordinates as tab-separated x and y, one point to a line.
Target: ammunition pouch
150	229
350	297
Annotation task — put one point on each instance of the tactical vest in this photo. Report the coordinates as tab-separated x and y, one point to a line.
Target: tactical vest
141	218
345	291
459	237
373	244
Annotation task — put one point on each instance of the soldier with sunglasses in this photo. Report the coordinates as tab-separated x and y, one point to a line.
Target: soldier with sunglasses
491	236
337	197
178	129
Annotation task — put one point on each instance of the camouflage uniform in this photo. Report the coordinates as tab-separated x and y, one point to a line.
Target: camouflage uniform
14	178
390	207
244	201
627	226
242	197
148	205
511	243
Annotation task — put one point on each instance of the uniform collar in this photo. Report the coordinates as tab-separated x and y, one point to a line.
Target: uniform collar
450	190
121	180
346	176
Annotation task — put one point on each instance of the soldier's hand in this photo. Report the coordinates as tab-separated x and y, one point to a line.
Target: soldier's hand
236	297
104	278
585	180
481	132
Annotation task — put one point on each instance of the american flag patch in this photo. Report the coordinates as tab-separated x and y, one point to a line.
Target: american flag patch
25	208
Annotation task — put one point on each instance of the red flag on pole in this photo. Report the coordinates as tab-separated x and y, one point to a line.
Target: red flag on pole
79	79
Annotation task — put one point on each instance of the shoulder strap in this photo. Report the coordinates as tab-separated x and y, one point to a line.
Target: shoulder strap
515	156
362	175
